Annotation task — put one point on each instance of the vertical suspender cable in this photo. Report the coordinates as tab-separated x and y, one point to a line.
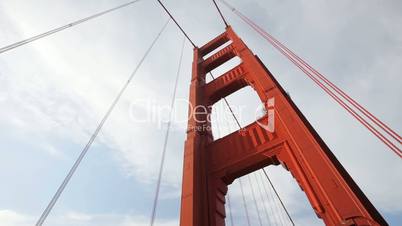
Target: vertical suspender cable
58	29
237	121
241	185
95	134
279	198
161	165
244	202
259	217
223	18
274	207
230	210
262	199
255	200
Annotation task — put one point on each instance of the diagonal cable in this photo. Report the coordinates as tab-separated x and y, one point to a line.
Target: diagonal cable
228	105
331	89
162	163
262	199
230	211
240	182
255	200
237	121
234	116
95	134
274	207
244	202
279	198
58	29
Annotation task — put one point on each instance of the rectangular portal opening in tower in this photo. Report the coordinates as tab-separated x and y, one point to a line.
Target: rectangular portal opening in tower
245	109
217	49
225	67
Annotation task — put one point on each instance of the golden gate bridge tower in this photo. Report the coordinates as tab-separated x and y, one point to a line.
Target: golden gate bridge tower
211	165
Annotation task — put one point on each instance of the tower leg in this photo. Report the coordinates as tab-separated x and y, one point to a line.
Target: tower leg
209	166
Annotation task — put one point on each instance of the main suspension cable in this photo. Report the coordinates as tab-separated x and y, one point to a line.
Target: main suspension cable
363	110
95	134
58	29
344	105
237	121
162	163
178	25
255	200
349	99
313	74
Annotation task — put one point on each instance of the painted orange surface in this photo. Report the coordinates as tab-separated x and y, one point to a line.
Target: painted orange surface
209	166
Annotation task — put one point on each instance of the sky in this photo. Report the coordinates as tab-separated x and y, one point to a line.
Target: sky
53	92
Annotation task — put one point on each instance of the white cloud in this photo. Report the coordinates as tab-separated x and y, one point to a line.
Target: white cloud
12	218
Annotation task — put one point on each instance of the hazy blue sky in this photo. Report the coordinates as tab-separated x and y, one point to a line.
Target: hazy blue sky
53	93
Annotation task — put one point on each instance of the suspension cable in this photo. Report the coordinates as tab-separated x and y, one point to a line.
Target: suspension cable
95	134
241	186
349	99
313	74
255	200
244	202
58	29
237	121
230	211
344	105
228	196
178	25
277	205
220	13
274	207
363	110
279	198
263	199
158	184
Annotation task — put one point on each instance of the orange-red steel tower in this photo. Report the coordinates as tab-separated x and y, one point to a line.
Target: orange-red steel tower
210	165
